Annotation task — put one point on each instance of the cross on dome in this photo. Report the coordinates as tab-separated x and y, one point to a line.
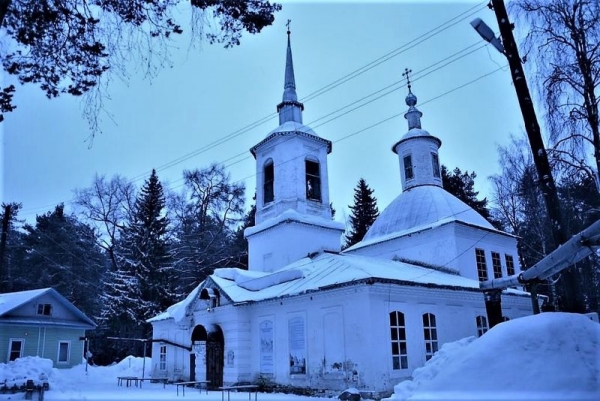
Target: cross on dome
412	115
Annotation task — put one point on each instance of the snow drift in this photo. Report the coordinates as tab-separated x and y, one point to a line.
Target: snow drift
551	356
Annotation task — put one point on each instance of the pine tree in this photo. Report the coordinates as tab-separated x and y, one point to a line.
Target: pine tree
364	213
462	185
142	286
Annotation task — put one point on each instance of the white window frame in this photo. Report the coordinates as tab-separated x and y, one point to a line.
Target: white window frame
58	361
10	342
162	358
430	330
399	341
480	259
482	325
497	264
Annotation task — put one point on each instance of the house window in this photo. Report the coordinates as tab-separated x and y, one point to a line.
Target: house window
64	348
408	170
482	325
313	181
162	358
510	265
430	334
15	349
269	177
44	309
496	264
435	163
398	336
481	267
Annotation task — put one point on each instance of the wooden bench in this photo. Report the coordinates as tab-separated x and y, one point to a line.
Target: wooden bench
252	388
197	383
162	380
128	380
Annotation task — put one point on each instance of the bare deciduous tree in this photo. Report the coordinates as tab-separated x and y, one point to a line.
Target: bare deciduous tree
107	205
562	44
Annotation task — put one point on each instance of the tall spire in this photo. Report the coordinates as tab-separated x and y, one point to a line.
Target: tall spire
289	109
413	115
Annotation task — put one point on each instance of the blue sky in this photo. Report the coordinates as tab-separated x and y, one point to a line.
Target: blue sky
211	92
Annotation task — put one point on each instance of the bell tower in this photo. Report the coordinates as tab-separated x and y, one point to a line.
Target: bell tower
293	212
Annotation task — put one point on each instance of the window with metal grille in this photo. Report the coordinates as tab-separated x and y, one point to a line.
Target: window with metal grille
313	181
481	266
162	358
408	169
496	264
398	337
436	165
430	334
269	177
482	325
510	265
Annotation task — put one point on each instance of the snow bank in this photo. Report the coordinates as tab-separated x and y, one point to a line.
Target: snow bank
551	356
16	373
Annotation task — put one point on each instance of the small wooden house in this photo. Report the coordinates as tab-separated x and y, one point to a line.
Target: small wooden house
42	323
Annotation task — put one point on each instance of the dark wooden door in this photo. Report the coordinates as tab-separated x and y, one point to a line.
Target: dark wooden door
214	363
192	367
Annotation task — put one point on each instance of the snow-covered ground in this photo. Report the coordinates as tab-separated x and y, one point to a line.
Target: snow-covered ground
552	356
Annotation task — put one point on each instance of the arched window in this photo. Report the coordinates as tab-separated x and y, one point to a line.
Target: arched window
408	168
435	163
313	180
269	181
482	325
430	335
398	337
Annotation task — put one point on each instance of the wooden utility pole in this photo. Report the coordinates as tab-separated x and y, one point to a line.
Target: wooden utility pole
540	158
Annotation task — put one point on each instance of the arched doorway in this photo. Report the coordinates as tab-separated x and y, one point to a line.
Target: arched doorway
207	356
215	357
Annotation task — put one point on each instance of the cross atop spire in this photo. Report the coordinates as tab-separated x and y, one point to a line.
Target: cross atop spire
289	109
405	74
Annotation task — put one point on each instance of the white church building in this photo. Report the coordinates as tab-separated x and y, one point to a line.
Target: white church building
305	313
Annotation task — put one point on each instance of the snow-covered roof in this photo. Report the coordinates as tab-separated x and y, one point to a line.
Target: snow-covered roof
417	133
179	310
326	270
12	300
291	215
420	208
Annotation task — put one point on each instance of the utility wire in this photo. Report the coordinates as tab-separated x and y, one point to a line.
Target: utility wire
420	39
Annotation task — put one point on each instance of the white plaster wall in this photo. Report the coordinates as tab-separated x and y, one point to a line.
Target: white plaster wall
289	153
177	358
360	348
433	246
420	150
288	242
468	239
